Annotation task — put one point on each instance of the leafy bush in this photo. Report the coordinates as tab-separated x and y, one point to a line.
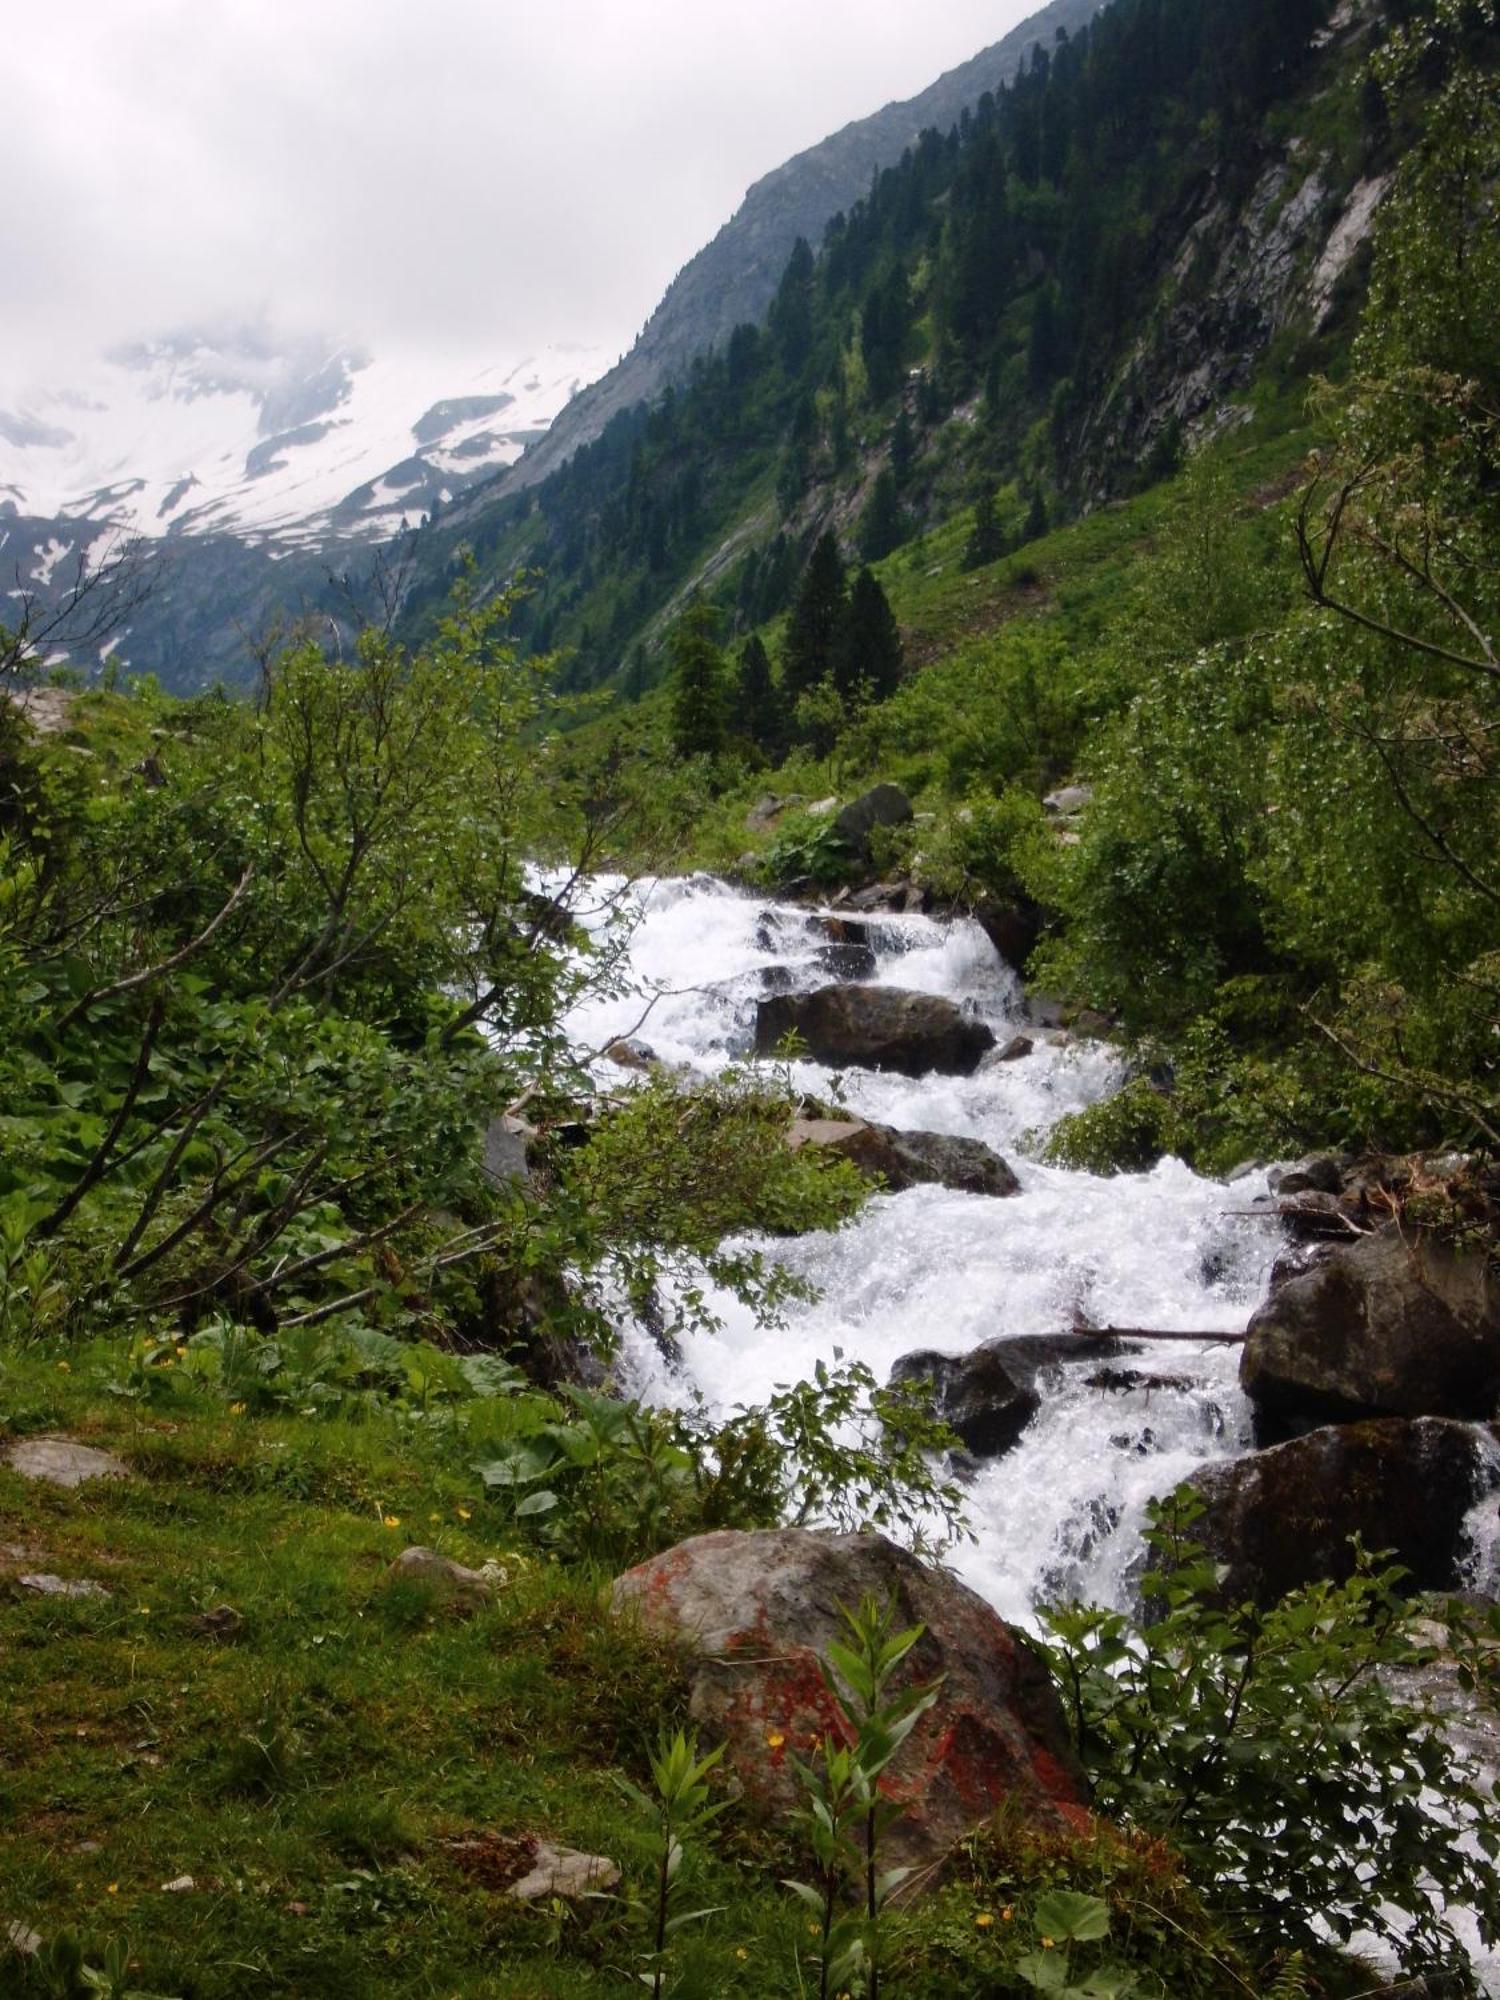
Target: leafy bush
1306	1796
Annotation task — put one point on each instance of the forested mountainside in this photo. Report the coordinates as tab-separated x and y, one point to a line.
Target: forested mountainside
1160	211
733	279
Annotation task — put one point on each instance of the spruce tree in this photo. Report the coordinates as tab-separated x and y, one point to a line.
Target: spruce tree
1036	516
986	538
817	619
869	656
903	449
757	711
699	700
882	525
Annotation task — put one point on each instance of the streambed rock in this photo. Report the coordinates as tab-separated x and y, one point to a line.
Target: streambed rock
1384	1326
988	1396
758	1612
876	1027
909	1159
1283	1517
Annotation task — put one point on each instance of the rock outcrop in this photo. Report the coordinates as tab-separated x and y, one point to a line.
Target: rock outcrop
758	1611
875	1027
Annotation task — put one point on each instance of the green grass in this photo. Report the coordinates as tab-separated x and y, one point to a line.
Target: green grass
323	1766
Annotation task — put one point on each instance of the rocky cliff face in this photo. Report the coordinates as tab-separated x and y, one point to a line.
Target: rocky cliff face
1249	260
734	278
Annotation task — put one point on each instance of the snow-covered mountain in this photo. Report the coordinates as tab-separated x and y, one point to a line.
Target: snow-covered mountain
303	443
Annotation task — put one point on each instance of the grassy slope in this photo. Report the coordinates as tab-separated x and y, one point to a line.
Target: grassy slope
311	1771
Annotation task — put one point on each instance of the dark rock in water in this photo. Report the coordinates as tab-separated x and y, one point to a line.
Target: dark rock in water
1378	1327
883	805
627	1052
975	1395
990	1395
1027	1355
758	1612
876	1027
909	1159
1015	1048
846	961
1320	1173
1284	1517
839	930
1011	927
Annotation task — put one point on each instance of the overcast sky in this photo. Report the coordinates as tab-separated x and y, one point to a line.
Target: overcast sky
472	176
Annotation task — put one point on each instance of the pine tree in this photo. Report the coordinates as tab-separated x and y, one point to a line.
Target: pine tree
698	692
986	538
869	655
757	711
1036	516
883	524
817	619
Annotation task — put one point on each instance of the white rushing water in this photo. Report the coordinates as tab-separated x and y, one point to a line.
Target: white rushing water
1058	1515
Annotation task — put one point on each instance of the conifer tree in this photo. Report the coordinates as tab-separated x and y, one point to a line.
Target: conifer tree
812	632
883	524
903	449
699	697
757	712
1036	516
869	656
986	538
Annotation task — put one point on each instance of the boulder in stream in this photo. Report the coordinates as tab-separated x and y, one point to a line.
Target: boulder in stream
876	1027
758	1612
975	1395
909	1159
1283	1517
1384	1326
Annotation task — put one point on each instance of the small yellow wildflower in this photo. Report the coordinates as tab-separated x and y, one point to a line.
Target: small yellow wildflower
236	1409
66	1367
463	1514
984	1920
434	1517
1007	1913
775	1740
740	1951
143	1610
393	1520
1047	1944
112	1889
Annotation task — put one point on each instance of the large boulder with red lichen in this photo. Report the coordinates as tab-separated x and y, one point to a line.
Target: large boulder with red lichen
757	1612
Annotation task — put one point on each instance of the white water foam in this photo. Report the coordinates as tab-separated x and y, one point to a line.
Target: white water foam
1060	1514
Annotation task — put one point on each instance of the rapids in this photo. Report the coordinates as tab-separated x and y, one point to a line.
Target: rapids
1058	1515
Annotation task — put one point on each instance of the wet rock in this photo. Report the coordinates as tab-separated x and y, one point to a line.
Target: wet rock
759	1611
975	1395
629	1053
1017	1047
883	805
448	1579
1011	927
876	1027
1378	1327
845	961
1283	1517
61	1461
1319	1173
1027	1355
838	929
909	1159
45	1585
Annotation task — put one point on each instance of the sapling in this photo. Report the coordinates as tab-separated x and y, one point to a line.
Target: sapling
846	1813
682	1807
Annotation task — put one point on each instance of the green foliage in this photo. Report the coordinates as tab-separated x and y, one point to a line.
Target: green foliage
846	1814
683	1807
699	684
1269	1745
